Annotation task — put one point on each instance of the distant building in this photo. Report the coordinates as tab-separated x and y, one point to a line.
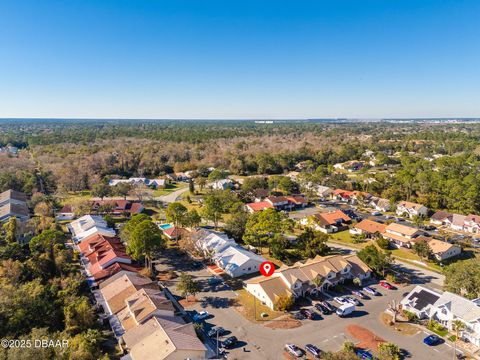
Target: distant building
13	204
153	183
411	209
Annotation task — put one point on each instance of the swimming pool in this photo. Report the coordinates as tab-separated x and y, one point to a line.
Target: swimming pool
165	226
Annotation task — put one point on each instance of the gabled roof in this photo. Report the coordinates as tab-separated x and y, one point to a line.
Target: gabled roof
297	199
473	218
12	195
158	338
421	298
439	247
441	215
14	210
370	226
331	218
260	206
460	307
113	269
234	256
410	205
403	229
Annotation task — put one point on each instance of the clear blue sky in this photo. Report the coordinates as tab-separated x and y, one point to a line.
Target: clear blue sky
239	58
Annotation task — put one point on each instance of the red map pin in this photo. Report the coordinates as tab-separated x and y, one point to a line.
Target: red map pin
267	268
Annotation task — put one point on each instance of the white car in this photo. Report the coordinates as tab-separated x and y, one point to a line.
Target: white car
376	213
294	350
341	300
352	300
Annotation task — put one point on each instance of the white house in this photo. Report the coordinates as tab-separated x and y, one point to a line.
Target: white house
222	184
420	301
154	183
442	250
88	225
411	209
455	222
380	204
237	261
66	213
450	307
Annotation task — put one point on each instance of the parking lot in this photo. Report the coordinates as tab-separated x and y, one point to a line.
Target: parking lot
256	341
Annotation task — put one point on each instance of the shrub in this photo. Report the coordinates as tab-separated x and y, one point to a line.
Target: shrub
388	351
391	278
412	317
348	347
383	243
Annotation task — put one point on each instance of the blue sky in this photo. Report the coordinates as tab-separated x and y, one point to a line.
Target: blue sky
239	59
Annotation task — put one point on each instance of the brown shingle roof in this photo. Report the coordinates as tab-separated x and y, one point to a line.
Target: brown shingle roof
371	227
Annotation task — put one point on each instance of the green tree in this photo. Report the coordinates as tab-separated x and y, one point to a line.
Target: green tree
312	243
186	285
10	229
262	227
191	187
284	303
463	278
383	243
176	213
388	351
216	175
250	184
348	347
85	346
79	316
236	225
376	259
422	249
146	239
130	225
122	189
101	190
192	219
214	208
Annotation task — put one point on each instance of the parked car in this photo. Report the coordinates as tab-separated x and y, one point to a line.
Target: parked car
323	309
229	342
358	294
432	340
363	354
307	313
299	316
345	310
216	329
371	291
341	300
376	213
329	306
214	280
312	349
294	350
385	285
352	300
202	315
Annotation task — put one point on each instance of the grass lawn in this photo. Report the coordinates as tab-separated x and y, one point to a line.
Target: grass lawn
251	308
73	197
170	188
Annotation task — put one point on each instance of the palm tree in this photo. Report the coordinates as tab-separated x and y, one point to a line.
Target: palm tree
457	326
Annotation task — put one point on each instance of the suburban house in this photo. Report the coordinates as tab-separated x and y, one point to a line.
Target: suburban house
222	184
380	204
13	204
440	218
401	235
455	222
163	338
236	261
420	301
329	222
153	183
230	257
299	280
119	287
442	250
278	203
351	197
368	227
472	224
65	213
411	209
104	256
450	307
210	242
350	166
323	191
117	207
143	305
89	225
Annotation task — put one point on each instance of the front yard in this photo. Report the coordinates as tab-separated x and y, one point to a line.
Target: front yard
251	308
170	188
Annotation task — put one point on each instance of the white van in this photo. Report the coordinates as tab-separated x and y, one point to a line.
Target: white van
345	310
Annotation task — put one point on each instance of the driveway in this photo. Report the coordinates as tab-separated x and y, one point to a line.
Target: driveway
173	196
328	334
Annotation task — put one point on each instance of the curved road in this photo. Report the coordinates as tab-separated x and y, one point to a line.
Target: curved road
173	196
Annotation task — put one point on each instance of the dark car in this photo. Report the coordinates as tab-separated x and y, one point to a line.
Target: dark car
329	306
432	340
217	329
307	313
299	316
312	349
363	354
323	309
230	342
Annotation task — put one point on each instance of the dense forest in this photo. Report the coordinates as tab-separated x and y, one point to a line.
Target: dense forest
51	151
